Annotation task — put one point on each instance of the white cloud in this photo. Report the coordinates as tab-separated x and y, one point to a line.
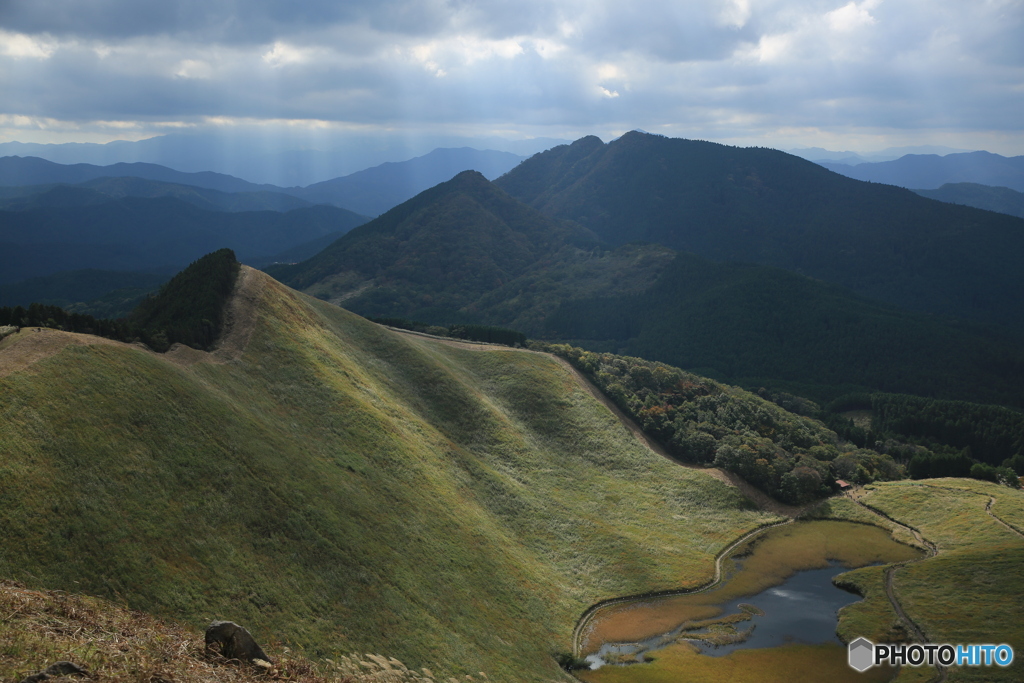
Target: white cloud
193	68
280	54
735	13
852	16
19	46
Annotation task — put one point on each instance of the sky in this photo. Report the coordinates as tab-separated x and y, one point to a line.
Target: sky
861	75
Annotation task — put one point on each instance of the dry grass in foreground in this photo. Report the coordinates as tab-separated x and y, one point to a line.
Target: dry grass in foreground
38	628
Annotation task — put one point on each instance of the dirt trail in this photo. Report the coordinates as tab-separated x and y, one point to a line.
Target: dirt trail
31	345
915	631
988	509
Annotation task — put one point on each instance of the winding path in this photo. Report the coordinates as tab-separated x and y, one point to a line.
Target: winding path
890	592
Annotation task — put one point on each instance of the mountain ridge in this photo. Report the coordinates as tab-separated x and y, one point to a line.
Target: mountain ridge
763	206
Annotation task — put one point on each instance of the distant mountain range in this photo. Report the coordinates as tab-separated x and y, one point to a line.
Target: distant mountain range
999	199
371	191
465	251
278	161
819	154
103	189
21	171
41	198
929	171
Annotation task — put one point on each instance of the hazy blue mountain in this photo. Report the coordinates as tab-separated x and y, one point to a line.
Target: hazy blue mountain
819	154
1000	199
763	206
61	232
19	198
375	190
286	162
21	171
930	171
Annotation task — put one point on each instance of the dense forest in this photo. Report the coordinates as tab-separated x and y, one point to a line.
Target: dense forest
789	447
938	438
189	309
791	457
760	326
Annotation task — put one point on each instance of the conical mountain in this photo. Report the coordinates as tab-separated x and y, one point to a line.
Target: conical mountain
434	254
767	207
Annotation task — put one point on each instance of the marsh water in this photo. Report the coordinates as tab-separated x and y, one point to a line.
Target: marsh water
804	609
777	590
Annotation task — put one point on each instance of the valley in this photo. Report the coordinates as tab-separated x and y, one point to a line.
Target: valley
238	446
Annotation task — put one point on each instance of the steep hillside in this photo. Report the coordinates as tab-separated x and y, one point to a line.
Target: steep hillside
343	487
762	206
434	254
758	326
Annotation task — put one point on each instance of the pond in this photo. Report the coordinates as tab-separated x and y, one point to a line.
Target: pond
776	600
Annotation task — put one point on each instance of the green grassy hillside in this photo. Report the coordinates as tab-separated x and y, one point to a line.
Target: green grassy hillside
340	487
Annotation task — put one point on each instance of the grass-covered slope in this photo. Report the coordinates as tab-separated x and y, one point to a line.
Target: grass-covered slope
342	487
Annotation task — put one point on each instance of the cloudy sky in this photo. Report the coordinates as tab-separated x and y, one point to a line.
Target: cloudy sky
859	75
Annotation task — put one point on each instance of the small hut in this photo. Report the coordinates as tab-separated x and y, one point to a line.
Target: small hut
843	485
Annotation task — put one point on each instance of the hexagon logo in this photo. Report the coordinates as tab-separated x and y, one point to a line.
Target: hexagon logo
862	654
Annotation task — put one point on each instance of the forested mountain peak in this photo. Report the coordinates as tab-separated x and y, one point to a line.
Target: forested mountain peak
763	206
435	253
